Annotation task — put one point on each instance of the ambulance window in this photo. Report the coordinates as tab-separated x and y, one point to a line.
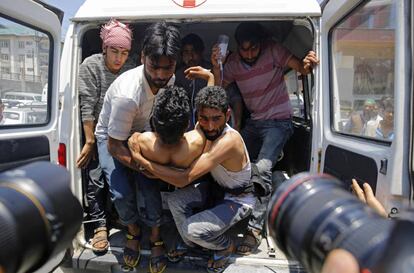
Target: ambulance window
362	48
23	80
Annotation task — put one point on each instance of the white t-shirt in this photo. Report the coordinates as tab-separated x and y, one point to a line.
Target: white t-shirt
127	106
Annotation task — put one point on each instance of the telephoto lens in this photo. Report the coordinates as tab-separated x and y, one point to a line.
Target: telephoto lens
39	215
310	215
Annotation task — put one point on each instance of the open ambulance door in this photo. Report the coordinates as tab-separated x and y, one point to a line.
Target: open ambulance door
30	41
362	112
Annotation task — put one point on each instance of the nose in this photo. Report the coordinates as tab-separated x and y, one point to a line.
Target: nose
249	54
210	125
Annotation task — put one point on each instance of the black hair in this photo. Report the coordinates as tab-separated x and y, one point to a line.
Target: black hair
195	41
250	32
212	97
171	114
161	39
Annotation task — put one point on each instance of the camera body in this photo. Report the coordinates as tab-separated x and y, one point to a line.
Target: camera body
39	216
310	215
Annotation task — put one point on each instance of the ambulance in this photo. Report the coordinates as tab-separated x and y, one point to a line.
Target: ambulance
365	74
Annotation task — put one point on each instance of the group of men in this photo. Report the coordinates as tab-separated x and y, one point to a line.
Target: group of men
139	121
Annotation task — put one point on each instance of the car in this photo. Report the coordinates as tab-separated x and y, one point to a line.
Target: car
24	116
19	98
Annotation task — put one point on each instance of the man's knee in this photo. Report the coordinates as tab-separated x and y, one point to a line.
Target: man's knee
195	232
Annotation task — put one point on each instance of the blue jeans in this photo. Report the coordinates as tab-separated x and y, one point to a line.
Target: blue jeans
264	140
149	192
207	227
121	185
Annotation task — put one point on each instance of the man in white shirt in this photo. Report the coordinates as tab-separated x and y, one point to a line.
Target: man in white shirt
126	109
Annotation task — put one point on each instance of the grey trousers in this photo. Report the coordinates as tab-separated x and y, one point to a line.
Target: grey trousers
206	227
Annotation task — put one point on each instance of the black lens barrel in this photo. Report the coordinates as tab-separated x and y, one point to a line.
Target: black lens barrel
309	215
38	213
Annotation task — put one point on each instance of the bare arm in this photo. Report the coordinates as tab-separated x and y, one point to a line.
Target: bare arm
220	151
237	108
88	149
306	65
119	151
199	72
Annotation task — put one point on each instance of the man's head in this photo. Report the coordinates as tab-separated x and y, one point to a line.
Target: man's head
370	110
160	51
249	37
171	114
192	50
116	44
212	111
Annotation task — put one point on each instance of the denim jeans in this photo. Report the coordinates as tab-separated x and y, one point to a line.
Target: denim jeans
206	228
121	185
96	192
264	140
149	192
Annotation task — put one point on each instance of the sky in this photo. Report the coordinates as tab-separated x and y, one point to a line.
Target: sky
69	7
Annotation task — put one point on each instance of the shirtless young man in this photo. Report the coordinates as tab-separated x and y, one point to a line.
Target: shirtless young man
225	156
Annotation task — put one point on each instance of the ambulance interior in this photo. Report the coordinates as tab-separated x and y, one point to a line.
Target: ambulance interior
297	35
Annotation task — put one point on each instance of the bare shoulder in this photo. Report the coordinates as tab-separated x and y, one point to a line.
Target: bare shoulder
231	138
145	139
195	138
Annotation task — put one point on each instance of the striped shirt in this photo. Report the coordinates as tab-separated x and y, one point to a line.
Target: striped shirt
262	85
127	106
94	80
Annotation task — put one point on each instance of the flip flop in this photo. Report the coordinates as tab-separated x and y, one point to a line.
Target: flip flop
98	239
134	254
252	247
180	248
158	259
217	258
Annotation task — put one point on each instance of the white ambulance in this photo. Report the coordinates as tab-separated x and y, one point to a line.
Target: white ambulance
365	74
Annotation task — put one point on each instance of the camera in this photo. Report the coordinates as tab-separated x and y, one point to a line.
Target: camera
310	215
39	216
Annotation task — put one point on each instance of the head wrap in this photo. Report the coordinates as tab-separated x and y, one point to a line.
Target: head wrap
116	34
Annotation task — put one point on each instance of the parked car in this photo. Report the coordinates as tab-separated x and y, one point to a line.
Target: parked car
24	116
17	98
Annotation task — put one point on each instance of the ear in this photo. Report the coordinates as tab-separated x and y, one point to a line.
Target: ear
104	49
142	57
228	114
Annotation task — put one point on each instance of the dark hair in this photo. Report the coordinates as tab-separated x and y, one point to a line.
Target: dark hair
195	41
212	97
161	39
171	114
250	32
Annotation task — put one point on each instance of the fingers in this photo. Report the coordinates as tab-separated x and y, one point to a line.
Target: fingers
373	202
358	192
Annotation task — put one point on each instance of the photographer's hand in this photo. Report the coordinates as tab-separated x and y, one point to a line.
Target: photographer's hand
366	195
340	261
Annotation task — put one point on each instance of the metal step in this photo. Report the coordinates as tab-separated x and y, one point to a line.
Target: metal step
262	261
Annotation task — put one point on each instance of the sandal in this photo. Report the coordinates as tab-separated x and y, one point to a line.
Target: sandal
177	254
134	254
250	242
100	241
217	258
157	260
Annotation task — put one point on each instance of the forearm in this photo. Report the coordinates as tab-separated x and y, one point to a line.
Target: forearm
176	177
237	114
120	152
89	128
217	75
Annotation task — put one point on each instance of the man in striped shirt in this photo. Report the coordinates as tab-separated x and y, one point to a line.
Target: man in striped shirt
96	74
258	70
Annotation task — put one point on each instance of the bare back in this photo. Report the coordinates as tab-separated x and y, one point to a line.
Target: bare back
179	155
